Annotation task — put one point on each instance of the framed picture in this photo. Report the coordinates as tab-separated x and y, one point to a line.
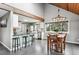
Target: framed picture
3	22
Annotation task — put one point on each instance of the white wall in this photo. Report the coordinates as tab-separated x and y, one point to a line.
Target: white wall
33	8
6	32
51	11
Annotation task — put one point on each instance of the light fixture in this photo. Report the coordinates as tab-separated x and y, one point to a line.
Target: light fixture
59	17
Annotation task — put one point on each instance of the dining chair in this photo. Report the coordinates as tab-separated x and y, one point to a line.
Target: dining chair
61	42
52	42
64	42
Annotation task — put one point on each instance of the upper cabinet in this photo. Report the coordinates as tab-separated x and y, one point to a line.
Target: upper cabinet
15	20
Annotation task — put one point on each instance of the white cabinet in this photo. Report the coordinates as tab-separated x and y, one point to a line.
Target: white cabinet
15	20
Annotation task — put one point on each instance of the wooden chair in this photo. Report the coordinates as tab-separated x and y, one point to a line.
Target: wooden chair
52	42
61	42
64	42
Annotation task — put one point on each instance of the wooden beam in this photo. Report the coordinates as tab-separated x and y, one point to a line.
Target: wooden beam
20	12
4	7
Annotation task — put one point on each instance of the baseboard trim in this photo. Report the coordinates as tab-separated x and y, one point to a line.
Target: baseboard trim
6	46
72	42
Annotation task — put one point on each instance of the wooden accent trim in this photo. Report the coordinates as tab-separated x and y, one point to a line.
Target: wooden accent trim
4	7
20	12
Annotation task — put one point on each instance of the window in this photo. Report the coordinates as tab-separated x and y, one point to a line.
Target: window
57	26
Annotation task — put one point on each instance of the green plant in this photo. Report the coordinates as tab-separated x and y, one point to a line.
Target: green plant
56	29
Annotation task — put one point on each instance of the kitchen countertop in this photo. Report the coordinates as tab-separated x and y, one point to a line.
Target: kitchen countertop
21	34
17	35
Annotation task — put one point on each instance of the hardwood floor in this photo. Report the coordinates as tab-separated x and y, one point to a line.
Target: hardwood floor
39	47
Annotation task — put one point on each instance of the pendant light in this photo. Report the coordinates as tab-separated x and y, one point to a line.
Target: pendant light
59	17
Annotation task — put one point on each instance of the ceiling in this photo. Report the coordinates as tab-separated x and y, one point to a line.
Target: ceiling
72	7
2	12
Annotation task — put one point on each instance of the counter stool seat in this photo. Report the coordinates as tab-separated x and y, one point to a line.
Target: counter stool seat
24	41
16	43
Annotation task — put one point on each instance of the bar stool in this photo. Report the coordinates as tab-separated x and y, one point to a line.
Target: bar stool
24	41
32	38
16	42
